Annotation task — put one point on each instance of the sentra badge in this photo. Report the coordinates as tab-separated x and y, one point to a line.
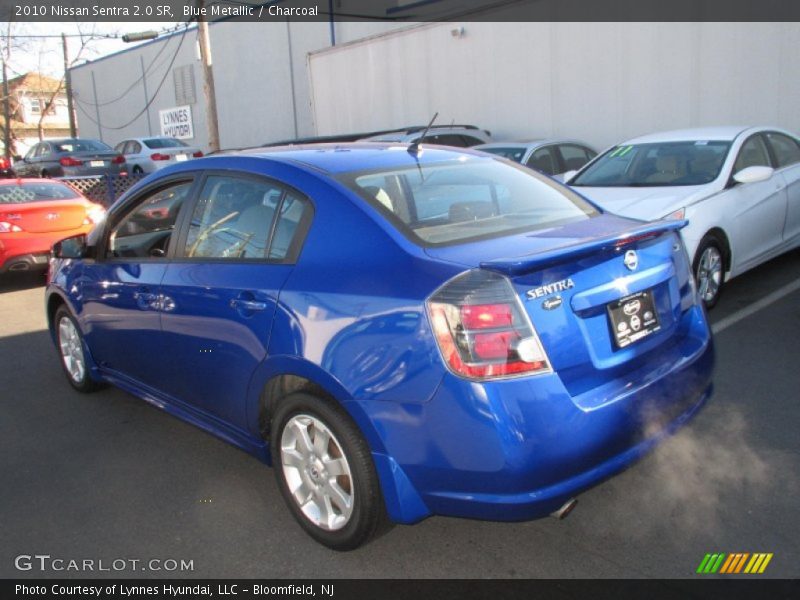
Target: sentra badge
551	288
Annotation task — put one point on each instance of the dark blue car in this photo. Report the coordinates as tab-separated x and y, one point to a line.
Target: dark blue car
401	331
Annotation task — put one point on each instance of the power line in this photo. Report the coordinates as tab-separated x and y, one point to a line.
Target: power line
149	102
132	85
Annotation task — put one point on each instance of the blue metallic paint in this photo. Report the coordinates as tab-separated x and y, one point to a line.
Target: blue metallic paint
350	317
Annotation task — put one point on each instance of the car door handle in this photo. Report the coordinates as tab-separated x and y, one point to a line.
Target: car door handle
146	300
249	305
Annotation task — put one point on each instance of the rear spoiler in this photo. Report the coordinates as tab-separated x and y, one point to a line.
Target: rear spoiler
519	265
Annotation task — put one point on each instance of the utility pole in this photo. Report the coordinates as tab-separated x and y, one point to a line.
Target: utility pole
6	114
208	79
68	85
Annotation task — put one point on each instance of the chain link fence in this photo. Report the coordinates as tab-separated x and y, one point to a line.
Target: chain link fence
103	189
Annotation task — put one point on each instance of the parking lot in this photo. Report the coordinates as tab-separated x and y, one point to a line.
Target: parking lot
106	476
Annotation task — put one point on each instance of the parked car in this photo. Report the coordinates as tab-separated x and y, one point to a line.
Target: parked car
6	168
36	213
401	333
551	157
148	154
460	136
70	157
739	187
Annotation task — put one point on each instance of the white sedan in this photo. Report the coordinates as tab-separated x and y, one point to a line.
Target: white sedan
739	187
149	154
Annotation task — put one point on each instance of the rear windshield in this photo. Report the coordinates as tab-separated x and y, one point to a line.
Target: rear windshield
81	146
510	152
156	143
656	165
467	199
21	193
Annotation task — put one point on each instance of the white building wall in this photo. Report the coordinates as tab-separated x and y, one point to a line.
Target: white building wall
116	73
260	74
601	82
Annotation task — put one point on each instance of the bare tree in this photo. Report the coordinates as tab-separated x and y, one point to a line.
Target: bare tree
49	98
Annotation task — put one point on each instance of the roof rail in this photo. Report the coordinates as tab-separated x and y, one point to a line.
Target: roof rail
417	128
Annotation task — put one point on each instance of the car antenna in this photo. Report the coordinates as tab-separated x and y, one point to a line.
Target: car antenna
414	147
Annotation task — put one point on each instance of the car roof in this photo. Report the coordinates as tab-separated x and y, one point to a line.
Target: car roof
354	156
531	143
725	133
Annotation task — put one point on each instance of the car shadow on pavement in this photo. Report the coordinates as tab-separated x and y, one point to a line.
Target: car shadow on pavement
24	280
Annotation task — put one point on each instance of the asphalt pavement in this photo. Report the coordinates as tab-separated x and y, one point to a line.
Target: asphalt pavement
106	477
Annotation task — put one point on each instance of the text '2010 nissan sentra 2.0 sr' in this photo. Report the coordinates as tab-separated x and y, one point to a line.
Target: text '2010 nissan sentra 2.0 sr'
401	331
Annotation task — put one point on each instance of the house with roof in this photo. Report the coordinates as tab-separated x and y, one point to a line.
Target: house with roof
38	109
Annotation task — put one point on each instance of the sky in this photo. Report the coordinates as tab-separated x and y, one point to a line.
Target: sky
45	54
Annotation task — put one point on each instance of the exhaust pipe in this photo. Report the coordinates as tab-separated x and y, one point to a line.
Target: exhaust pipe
20	266
565	509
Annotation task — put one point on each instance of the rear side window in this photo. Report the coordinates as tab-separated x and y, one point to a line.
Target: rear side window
467	199
35	192
241	219
446	139
786	150
232	219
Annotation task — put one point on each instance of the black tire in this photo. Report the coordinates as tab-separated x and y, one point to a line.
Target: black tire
45	175
710	281
368	518
83	382
137	170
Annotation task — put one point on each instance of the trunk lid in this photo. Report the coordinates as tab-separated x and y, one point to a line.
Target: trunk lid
46	216
570	280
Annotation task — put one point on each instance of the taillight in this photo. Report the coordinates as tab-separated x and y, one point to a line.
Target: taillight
482	329
6	227
69	161
118	159
4	163
94	215
159	156
197	154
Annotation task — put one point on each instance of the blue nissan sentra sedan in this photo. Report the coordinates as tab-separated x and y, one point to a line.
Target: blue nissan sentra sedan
401	331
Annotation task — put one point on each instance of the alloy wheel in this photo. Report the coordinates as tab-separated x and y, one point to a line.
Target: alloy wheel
709	273
69	340
316	472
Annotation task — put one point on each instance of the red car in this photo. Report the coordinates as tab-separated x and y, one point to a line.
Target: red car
36	213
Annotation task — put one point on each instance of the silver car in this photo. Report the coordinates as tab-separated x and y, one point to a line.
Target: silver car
551	157
460	136
70	157
149	154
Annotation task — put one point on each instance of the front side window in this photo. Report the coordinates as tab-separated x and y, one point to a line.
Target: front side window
467	199
656	164
752	154
146	231
544	161
786	150
574	156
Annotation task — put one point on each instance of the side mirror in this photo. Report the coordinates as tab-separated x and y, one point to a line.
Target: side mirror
568	175
753	174
71	247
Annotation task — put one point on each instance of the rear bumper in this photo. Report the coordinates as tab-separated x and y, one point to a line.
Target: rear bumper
518	449
27	251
